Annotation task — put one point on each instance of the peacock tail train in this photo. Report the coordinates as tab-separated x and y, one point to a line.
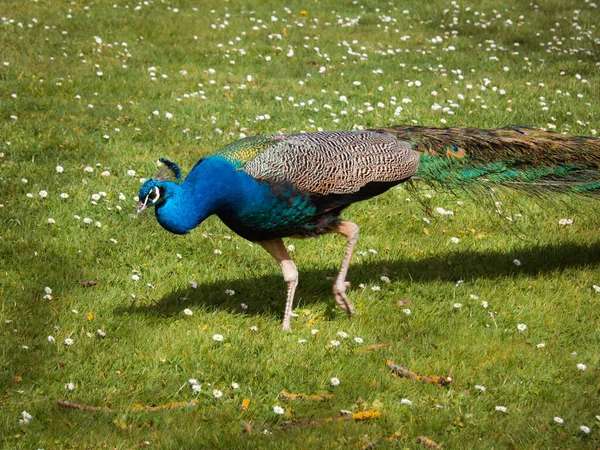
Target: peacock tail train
518	157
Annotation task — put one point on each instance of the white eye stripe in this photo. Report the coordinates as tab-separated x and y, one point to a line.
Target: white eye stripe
157	195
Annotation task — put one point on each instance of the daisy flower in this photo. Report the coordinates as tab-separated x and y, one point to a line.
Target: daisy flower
25	418
406	401
501	408
581	366
558	420
217	337
188	312
69	341
358	340
521	327
217	393
278	410
335	381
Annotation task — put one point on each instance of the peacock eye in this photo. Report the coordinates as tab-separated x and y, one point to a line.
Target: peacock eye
154	195
456	151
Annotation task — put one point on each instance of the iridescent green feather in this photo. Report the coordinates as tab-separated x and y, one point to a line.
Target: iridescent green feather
518	157
240	152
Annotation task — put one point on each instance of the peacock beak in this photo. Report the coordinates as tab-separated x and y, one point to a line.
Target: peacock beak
140	207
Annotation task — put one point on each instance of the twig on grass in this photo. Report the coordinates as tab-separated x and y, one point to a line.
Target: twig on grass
357	417
136	408
283	395
404	372
73	405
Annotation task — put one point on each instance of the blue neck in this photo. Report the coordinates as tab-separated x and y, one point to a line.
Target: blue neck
213	186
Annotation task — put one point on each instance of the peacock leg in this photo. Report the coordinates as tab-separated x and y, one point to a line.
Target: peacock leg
350	231
278	251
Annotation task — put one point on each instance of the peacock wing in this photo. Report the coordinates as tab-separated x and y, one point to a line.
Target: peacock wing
340	162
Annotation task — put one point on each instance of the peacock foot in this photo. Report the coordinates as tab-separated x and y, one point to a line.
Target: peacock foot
339	293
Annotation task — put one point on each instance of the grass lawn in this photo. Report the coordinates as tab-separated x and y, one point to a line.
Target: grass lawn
93	93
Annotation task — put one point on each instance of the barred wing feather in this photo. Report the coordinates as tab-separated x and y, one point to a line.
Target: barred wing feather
341	162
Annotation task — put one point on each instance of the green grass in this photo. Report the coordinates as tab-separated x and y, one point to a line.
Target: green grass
152	348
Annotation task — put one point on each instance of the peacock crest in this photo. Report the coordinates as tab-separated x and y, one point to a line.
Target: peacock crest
168	171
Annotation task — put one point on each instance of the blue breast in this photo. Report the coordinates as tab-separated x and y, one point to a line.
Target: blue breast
254	209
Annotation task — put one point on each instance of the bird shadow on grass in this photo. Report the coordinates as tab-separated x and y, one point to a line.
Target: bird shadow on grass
266	294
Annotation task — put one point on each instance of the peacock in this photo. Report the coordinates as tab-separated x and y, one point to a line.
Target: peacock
266	188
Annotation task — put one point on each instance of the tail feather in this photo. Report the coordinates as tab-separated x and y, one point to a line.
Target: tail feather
519	157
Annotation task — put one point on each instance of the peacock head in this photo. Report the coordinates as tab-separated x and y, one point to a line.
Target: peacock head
154	191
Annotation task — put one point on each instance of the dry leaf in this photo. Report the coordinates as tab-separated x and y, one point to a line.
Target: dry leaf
429	443
376	346
245	404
